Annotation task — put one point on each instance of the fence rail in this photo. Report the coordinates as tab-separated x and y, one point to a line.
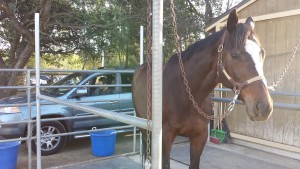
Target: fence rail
125	117
286	106
125	113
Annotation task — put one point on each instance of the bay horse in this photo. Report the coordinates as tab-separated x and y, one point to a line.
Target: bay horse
234	57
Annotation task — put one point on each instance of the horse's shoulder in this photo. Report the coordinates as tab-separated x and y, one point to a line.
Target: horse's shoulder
139	72
141	68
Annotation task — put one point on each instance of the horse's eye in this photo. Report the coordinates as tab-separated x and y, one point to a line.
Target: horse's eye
234	56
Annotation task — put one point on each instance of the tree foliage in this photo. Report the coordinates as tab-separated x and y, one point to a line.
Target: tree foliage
90	29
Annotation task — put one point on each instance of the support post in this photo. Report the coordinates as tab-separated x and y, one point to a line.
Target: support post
157	41
102	59
37	75
141	45
29	124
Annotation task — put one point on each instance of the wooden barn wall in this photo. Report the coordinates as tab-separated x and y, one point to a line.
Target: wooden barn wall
263	7
278	37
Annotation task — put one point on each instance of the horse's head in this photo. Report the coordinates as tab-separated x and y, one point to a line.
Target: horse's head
242	60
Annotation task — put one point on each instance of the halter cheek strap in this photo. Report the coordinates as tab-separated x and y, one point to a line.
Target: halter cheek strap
237	87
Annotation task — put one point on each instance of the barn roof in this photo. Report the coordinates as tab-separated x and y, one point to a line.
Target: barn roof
224	16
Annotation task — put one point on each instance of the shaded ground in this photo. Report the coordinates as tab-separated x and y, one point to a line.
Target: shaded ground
231	156
74	152
225	156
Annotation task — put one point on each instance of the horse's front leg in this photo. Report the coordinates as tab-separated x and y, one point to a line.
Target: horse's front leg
167	140
197	143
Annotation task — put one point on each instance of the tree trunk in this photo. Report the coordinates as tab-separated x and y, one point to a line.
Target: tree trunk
126	57
14	78
21	45
208	11
120	58
9	78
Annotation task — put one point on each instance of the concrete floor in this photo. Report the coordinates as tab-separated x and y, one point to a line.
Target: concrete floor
231	156
120	162
76	151
77	155
224	156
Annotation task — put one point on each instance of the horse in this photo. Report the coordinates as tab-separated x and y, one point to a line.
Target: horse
234	57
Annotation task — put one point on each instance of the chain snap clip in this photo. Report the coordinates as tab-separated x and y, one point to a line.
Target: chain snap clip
232	103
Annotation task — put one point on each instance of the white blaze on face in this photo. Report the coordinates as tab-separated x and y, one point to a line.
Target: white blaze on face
253	50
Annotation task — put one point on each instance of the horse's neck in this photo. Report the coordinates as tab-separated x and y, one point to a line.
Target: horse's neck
203	73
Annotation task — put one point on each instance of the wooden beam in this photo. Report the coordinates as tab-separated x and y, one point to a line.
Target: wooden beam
267	143
270	16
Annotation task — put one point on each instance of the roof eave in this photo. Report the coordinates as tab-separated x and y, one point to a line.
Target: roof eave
224	16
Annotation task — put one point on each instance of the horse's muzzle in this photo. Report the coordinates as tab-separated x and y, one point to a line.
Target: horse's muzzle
262	111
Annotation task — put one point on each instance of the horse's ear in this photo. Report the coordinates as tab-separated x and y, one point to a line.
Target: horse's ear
250	22
232	21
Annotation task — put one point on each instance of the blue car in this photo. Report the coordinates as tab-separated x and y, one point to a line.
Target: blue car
106	97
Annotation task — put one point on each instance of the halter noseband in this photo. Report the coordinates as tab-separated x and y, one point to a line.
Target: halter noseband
237	87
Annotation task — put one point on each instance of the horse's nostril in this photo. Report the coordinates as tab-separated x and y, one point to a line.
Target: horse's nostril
260	108
257	107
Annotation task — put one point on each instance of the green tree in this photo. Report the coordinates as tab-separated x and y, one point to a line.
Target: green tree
88	28
65	27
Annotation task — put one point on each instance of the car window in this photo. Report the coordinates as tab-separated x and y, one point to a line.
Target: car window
100	83
126	78
72	79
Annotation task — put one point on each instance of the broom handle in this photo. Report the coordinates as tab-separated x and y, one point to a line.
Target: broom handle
220	120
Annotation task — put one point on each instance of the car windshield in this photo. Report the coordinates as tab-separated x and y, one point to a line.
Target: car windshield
72	79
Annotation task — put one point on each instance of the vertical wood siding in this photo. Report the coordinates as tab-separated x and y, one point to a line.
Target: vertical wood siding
278	37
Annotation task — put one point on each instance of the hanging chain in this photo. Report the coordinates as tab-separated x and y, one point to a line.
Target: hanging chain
183	74
148	55
276	82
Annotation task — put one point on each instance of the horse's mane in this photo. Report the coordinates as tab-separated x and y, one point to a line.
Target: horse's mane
202	44
198	46
239	37
241	34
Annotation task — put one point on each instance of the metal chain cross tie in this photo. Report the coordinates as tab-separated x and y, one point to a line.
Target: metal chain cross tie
183	74
276	82
148	55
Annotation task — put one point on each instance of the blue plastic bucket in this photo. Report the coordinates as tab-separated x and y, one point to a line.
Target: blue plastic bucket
9	154
103	142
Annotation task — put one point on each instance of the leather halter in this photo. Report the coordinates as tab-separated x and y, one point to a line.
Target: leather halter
237	87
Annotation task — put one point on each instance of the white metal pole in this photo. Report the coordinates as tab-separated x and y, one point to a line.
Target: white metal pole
102	59
37	83
29	124
141	45
157	41
128	119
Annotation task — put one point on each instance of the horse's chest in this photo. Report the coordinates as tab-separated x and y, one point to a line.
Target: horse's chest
190	126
